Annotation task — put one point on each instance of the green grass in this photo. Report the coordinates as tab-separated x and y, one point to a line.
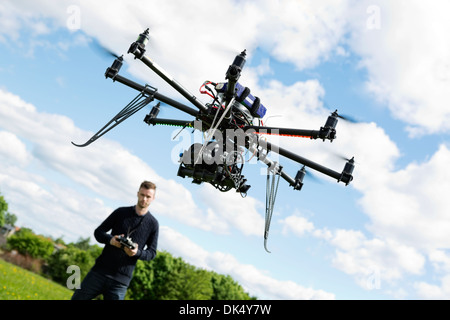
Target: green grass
20	284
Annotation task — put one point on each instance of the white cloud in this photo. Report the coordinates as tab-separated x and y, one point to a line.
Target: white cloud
410	205
407	58
210	36
13	150
434	292
241	213
406	207
389	259
440	260
56	210
303	33
51	134
440	289
372	262
405	55
407	210
408	221
10	24
296	224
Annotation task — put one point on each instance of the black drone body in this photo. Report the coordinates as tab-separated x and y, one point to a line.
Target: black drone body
232	123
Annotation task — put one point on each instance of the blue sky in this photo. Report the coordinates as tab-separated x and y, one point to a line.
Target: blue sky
382	237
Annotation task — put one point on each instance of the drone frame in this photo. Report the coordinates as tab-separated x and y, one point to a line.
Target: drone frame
253	143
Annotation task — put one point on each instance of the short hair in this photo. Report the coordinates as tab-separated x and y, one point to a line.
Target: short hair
148	185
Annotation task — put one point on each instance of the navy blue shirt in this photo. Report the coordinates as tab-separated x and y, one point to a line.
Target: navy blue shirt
143	230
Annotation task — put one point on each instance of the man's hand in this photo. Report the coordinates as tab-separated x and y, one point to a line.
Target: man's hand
130	252
114	242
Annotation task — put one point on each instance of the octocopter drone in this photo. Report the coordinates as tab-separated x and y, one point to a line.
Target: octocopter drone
232	123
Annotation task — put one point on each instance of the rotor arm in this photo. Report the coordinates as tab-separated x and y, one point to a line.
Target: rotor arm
344	176
289	179
157	95
304	133
137	48
327	132
184	92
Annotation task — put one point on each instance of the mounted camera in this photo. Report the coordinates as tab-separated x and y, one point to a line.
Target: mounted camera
208	163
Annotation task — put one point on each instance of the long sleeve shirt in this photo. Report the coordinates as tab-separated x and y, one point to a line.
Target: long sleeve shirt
143	230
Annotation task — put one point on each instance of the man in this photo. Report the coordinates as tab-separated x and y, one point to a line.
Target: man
113	269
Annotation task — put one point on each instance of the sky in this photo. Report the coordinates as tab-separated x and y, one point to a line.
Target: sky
384	63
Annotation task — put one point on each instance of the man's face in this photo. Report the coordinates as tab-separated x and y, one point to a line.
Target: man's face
145	197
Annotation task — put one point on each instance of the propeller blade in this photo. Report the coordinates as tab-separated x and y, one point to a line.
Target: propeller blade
339	115
347	118
103	50
341	156
312	177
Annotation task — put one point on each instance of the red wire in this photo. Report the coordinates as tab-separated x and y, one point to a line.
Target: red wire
205	91
285	135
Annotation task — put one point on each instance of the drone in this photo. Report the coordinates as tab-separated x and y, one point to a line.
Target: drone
232	125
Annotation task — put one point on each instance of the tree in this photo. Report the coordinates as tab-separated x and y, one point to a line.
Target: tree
71	256
3	210
83	244
148	282
185	282
10	218
225	288
5	216
169	278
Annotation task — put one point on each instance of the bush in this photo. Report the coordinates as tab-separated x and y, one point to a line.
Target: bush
71	255
27	243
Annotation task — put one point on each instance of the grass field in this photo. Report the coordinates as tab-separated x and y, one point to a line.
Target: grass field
20	284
